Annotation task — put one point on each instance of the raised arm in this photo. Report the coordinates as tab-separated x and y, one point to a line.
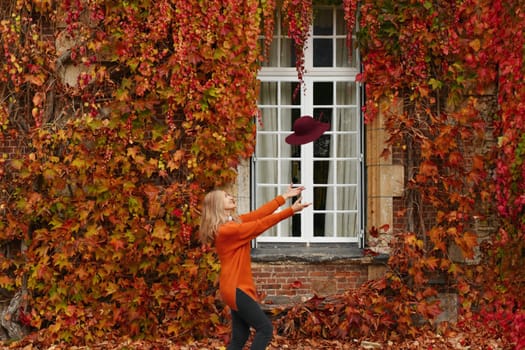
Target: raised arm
235	234
272	205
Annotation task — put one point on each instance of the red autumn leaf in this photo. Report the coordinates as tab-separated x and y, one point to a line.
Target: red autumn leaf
157	67
455	158
177	212
369	252
386	153
373	232
384	228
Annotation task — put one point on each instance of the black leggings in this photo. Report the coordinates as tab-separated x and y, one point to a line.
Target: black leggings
249	314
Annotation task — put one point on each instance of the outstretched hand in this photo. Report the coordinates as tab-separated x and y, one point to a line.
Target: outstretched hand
293	191
298	205
296	192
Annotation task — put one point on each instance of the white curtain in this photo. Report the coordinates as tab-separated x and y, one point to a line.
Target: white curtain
343	172
273	173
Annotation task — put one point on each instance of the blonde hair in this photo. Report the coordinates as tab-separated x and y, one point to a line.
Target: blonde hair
212	216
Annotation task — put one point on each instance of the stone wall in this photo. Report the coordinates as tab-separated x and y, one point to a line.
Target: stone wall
385	183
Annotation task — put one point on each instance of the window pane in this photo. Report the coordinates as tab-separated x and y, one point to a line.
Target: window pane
341	54
324	115
286	149
353	59
347	171
346	93
323	47
347	224
266	171
268	119
321	171
287	53
268	93
265	194
295	222
288	116
323	52
322	146
323	93
265	146
346	119
290	227
295	173
329	225
287	94
347	198
347	145
323	22
323	198
322	225
286	172
340	23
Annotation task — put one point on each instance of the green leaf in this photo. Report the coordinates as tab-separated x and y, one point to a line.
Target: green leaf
435	84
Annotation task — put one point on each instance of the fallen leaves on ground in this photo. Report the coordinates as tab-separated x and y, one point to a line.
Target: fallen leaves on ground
427	341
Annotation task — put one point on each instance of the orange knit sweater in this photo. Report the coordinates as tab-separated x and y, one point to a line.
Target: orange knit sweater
232	244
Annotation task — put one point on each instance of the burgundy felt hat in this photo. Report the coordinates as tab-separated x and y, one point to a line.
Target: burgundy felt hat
306	129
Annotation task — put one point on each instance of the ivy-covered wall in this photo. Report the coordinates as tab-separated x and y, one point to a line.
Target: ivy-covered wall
98	216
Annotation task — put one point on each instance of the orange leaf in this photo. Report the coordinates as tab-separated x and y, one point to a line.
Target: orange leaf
475	45
428	168
116	243
431	262
161	230
467	242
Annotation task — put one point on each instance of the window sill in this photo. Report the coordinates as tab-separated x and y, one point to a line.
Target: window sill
319	253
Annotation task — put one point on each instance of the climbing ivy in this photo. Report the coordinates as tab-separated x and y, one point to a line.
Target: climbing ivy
101	187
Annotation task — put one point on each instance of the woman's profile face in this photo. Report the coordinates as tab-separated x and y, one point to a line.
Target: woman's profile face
229	202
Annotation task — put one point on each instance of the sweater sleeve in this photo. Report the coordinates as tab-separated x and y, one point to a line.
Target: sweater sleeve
263	210
234	234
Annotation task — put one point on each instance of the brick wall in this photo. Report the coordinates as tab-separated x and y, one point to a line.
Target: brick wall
294	281
11	147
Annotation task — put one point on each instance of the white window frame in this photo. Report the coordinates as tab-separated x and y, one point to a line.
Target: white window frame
311	75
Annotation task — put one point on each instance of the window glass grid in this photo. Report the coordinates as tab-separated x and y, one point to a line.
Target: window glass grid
330	94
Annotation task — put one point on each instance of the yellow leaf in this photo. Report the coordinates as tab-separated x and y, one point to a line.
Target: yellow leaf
111	288
36	79
161	230
17	164
49	174
452	231
132	152
475	45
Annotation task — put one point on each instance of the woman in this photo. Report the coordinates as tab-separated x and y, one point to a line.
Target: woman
232	235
